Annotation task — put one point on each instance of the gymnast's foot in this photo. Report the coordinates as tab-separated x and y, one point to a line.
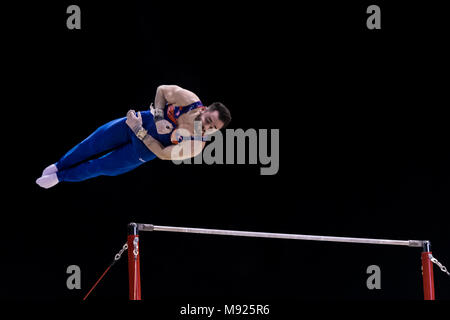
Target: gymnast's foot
47	181
50	169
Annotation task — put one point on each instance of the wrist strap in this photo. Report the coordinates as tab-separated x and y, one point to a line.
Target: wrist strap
159	114
141	133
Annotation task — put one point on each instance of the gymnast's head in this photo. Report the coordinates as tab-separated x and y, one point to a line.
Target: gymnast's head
215	117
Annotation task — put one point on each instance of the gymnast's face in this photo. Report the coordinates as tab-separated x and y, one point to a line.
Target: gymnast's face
210	121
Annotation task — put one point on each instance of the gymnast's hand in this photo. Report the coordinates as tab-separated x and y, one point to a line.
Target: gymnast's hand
162	125
133	121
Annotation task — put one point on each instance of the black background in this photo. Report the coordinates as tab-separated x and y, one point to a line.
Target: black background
363	148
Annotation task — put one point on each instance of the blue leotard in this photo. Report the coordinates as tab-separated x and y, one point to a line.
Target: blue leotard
114	149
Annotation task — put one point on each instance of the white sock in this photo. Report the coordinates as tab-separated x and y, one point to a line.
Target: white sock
50	169
47	181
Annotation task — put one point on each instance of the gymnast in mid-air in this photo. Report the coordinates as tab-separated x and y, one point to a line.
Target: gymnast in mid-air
169	130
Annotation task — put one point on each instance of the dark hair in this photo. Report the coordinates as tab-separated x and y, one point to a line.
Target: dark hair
224	113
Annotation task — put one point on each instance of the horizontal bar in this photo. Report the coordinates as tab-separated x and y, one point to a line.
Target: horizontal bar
151	227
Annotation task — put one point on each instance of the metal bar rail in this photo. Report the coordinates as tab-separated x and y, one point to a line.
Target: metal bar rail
133	249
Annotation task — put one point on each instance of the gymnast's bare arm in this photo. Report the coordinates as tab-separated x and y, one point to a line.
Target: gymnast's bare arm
184	150
173	94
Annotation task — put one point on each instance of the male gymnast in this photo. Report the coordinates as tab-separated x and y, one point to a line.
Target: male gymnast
165	131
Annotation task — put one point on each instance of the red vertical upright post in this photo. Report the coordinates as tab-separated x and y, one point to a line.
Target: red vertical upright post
134	274
427	272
